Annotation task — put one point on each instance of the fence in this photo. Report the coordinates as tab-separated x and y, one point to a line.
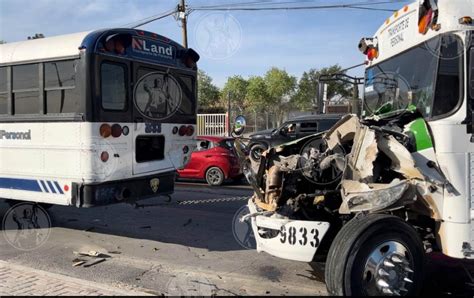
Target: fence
212	125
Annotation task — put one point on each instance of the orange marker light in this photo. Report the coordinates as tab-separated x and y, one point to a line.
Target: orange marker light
465	21
372	53
425	22
105	130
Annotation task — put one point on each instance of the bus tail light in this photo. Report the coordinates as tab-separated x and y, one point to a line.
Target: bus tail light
175	130
104	156
190	131
116	130
182	130
105	131
185	149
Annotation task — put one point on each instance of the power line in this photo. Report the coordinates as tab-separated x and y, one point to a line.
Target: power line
150	19
242	7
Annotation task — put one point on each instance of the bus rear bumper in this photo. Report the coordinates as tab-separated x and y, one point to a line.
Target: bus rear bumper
129	190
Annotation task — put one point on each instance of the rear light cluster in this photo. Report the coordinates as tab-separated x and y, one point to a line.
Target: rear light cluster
115	130
184	130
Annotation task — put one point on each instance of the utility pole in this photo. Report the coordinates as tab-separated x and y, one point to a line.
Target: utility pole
184	23
229	113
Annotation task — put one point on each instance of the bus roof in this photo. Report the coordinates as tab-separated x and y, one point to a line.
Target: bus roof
400	32
62	46
66	46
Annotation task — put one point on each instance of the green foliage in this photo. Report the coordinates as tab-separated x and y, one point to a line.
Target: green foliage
208	93
2	42
236	88
306	96
257	95
280	85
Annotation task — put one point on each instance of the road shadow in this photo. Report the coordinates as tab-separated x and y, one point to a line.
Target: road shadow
196	226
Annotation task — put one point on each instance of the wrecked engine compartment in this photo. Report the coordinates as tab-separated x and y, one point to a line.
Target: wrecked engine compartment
357	166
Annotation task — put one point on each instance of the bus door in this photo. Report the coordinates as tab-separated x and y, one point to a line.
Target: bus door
153	92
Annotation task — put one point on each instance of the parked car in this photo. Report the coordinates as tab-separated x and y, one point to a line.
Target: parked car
292	129
214	160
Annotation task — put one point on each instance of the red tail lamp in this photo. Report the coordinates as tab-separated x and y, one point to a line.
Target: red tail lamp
104	156
190	131
116	130
183	130
105	130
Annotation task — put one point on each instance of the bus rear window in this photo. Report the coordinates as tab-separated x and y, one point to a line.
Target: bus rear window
113	86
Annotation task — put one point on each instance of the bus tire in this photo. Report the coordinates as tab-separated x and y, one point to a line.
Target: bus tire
214	176
379	241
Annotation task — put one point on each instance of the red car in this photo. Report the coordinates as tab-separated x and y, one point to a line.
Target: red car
213	160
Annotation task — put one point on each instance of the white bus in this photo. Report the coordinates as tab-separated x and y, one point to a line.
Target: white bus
374	195
95	118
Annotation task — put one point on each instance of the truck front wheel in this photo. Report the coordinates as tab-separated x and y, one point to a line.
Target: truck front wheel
375	255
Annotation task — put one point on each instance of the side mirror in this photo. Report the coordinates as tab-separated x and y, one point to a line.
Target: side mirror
239	125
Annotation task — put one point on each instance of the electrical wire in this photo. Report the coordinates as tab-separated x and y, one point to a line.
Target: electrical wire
150	19
243	7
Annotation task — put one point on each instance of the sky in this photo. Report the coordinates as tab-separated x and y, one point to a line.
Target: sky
229	42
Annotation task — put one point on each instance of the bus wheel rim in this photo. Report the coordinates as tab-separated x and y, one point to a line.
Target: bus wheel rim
388	270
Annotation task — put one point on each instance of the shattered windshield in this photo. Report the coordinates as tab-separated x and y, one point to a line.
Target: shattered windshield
396	85
428	78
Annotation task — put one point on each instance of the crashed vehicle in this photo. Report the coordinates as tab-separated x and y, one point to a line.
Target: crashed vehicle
375	193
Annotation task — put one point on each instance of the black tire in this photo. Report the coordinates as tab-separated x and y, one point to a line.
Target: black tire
215	176
347	273
256	151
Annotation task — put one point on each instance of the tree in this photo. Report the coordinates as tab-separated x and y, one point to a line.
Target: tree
281	87
306	95
208	93
257	96
2	42
236	88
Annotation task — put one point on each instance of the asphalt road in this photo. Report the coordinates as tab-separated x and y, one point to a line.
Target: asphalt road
170	248
184	248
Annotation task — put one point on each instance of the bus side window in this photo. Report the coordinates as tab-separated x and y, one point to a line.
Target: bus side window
26	89
449	82
471	73
3	91
60	87
113	86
